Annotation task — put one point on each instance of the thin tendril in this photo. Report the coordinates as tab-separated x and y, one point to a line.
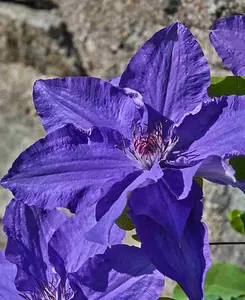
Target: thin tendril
226	243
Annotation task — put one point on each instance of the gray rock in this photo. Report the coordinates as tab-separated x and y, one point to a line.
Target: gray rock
202	13
107	35
118	29
37	38
225	8
195	13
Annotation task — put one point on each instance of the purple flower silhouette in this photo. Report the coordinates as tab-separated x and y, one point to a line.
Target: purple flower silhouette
50	263
228	39
141	137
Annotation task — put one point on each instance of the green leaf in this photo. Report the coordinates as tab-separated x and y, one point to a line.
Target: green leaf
224	280
238	164
166	298
237	220
124	221
180	295
199	180
241	297
230	85
242	217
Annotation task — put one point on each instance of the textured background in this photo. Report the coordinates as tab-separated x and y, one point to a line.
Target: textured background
42	38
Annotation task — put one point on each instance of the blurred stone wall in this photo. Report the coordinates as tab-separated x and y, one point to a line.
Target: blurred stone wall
44	38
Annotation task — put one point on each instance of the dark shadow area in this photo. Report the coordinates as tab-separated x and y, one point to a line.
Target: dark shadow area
229	85
171	6
37	4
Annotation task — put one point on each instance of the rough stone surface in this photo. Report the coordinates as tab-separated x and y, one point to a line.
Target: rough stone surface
107	35
37	38
225	8
202	13
119	28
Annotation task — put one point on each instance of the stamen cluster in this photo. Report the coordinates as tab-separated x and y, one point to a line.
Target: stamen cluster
148	147
46	291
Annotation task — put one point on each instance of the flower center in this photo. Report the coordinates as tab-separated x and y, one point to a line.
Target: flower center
148	148
47	291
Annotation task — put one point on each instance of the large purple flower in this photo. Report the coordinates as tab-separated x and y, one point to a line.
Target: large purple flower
43	262
143	136
228	39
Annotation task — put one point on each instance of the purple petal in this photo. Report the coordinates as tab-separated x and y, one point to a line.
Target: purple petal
115	81
170	72
217	170
186	260
8	290
197	123
158	203
228	39
84	102
100	233
104	204
179	181
214	128
68	249
66	170
28	230
3	260
79	295
123	272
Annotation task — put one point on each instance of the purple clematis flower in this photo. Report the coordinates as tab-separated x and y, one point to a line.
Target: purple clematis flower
228	39
47	258
141	137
